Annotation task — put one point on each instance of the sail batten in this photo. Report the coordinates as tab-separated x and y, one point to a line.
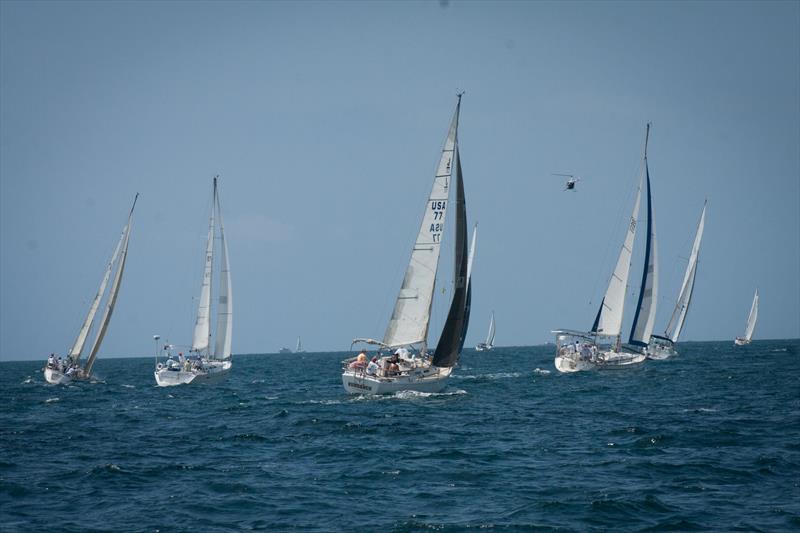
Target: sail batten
411	314
678	318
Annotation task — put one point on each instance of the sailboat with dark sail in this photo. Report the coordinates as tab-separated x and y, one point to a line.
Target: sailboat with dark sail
601	347
402	361
59	371
202	365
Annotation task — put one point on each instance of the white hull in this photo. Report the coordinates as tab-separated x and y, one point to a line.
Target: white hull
613	359
212	373
428	380
570	364
483	347
740	341
658	351
56	377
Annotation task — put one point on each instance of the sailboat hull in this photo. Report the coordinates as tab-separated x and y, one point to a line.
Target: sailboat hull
56	377
213	372
483	347
612	359
429	380
740	341
569	364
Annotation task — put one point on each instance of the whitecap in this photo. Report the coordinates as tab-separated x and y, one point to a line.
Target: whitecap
538	370
52	400
128	386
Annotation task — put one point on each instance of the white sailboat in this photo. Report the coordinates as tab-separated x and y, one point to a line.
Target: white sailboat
203	366
299	347
662	347
57	371
489	344
602	347
402	360
751	323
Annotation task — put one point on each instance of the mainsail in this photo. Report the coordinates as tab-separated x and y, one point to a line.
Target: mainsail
490	336
222	347
412	309
645	318
678	318
609	316
751	318
112	298
202	328
455	327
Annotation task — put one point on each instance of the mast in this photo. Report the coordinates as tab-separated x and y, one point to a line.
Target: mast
678	318
452	338
202	329
222	348
411	314
112	298
648	292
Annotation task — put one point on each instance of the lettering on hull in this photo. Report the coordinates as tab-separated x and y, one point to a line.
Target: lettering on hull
358	385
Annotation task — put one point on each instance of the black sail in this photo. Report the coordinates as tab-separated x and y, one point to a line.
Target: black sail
455	327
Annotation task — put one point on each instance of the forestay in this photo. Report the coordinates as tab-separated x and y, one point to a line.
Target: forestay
411	314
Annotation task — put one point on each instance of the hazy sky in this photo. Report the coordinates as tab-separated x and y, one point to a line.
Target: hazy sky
324	121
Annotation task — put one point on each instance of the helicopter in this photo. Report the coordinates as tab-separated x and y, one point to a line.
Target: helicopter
572	180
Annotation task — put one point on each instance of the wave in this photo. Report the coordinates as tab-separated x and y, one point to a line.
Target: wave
52	400
540	371
497	375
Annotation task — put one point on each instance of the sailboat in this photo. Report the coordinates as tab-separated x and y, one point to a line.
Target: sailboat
751	323
402	361
203	366
662	347
62	372
602	347
489	344
299	347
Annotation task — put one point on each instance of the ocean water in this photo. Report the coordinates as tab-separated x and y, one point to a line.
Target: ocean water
707	441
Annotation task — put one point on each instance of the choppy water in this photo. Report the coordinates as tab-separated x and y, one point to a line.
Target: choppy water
706	441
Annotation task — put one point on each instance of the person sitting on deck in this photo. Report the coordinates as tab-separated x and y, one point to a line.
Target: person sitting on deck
393	369
373	367
360	362
51	361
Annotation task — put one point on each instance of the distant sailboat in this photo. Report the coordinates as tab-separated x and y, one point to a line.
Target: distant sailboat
201	366
63	372
576	350
299	347
411	367
662	347
489	344
751	323
285	350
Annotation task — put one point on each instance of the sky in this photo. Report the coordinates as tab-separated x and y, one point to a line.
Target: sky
325	120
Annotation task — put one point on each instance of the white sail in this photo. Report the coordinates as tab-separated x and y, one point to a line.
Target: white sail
202	329
472	252
645	318
490	336
80	341
299	346
411	314
676	322
112	297
222	347
751	318
609	318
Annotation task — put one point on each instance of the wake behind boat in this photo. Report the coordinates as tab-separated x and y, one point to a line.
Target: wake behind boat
200	366
602	346
62	372
402	361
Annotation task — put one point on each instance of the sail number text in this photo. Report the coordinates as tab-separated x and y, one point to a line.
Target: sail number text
437	207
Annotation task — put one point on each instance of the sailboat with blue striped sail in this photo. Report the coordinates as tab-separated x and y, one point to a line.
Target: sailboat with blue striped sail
601	346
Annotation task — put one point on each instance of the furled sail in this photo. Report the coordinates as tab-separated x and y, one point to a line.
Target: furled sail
751	318
202	330
609	316
455	327
80	341
678	318
411	313
222	347
645	318
112	297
